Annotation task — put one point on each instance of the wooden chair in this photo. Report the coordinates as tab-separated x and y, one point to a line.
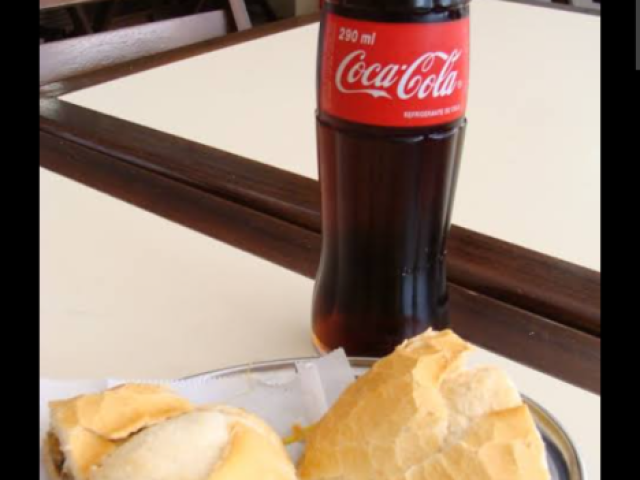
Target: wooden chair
579	6
240	14
238	10
66	58
578	3
107	10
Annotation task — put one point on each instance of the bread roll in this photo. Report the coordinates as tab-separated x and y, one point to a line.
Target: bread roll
420	415
171	440
86	429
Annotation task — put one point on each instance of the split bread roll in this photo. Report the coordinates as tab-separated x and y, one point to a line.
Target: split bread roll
420	415
145	432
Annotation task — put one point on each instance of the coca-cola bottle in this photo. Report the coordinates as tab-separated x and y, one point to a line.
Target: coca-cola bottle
392	93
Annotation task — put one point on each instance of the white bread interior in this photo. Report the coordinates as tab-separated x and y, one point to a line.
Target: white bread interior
420	415
211	443
185	447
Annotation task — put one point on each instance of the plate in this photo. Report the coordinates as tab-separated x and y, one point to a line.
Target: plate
564	460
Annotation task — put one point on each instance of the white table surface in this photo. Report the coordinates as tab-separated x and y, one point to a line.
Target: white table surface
531	171
127	294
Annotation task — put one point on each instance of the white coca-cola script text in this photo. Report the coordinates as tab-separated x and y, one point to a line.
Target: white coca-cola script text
431	74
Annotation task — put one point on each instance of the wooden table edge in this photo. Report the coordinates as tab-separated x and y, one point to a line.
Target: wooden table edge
555	349
556	289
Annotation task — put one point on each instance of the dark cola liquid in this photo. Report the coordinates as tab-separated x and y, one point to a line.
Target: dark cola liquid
387	198
386	211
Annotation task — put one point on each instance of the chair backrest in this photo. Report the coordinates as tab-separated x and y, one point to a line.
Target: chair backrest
240	14
585	3
579	3
66	58
578	6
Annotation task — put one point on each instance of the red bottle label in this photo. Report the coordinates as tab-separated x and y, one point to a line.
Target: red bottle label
395	74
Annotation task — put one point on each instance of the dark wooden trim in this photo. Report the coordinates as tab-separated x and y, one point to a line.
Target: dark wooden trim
532	340
527	338
277	241
558	290
283	195
561	291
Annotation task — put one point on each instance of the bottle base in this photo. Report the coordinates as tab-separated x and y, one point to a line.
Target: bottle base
319	347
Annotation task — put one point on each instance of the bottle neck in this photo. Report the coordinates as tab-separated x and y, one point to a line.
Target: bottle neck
400	11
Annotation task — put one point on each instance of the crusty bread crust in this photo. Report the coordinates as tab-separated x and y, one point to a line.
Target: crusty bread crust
255	451
419	415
